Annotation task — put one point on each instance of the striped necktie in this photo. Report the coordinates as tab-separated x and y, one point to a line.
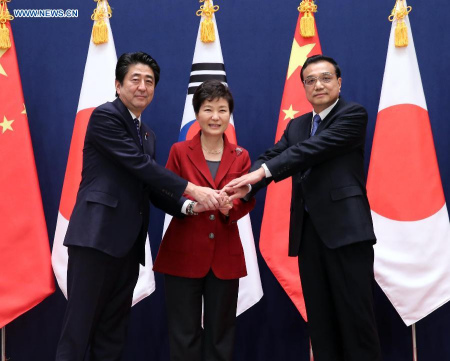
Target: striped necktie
136	123
316	122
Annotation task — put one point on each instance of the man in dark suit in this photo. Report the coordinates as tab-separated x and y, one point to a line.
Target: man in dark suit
107	230
330	226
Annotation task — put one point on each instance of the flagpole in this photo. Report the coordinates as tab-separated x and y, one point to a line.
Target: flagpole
3	344
414	341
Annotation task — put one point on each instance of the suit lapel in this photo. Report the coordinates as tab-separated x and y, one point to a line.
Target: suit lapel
304	130
329	118
195	154
147	141
128	120
228	158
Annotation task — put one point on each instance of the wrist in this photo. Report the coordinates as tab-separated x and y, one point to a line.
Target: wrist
190	209
261	173
190	189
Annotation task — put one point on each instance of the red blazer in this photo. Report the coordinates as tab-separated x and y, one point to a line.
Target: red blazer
195	244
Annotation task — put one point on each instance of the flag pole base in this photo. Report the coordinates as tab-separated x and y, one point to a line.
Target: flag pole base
3	344
414	341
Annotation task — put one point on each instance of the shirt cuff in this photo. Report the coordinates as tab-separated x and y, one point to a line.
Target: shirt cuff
266	170
185	204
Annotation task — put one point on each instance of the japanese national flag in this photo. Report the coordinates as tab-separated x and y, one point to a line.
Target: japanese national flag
412	254
97	88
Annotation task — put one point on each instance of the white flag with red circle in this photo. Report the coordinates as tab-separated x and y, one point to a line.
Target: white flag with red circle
412	254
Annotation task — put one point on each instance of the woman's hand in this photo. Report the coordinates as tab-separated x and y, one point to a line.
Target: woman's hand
225	210
225	204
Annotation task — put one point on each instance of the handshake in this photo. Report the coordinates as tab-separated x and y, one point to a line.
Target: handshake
210	199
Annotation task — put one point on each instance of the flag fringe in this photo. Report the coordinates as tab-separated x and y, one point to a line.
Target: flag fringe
307	22
100	29
5	37
399	12
207	33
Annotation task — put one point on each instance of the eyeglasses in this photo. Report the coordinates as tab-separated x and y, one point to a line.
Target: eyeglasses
324	78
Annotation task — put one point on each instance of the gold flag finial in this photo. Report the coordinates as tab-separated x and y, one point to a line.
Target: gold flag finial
100	29
5	38
398	14
307	7
207	10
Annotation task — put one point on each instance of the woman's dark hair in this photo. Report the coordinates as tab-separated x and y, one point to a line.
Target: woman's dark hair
210	90
128	59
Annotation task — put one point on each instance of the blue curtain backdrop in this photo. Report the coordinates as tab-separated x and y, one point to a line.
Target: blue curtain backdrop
256	39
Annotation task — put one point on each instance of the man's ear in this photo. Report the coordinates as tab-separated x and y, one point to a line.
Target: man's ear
117	84
340	83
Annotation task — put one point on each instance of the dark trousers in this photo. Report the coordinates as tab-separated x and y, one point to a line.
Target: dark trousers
338	291
188	341
100	290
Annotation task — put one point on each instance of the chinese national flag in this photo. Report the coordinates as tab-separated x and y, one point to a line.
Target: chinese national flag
274	238
26	276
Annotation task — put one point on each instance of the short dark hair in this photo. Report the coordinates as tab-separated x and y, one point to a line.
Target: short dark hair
316	59
128	59
210	90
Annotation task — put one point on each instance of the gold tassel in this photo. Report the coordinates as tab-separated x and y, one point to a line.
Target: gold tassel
5	38
399	12
207	33
401	34
100	32
307	28
100	29
5	41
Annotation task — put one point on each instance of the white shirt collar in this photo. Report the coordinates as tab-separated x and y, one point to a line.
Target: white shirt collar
134	117
326	111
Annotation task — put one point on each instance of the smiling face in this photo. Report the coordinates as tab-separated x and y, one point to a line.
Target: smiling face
214	117
137	88
321	95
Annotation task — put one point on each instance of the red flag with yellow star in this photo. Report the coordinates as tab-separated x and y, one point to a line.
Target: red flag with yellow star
26	276
274	238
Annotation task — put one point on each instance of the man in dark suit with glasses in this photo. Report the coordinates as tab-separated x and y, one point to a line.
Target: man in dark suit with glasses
331	228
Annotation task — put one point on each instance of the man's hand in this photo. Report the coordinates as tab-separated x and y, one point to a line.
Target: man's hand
224	205
238	188
198	208
250	178
236	193
207	197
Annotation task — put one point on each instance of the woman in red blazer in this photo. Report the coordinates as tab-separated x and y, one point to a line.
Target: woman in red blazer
202	255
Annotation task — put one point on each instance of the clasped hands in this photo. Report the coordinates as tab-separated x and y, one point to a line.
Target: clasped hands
210	199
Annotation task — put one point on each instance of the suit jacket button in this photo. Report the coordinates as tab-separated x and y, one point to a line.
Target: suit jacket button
211	235
212	217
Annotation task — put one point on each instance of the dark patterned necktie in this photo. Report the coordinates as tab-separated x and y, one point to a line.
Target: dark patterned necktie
316	122
136	123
